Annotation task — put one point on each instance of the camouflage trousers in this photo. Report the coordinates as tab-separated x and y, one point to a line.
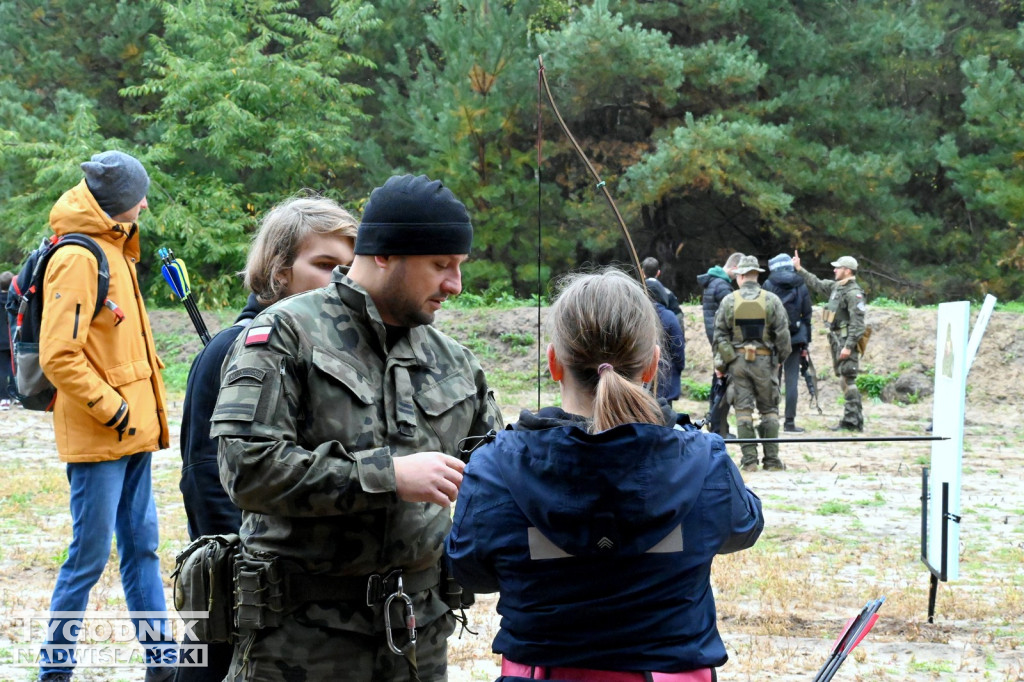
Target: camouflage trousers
846	370
756	385
301	650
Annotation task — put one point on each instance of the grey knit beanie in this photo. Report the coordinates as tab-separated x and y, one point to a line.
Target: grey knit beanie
117	181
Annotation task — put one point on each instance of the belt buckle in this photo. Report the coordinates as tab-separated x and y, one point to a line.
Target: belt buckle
378	586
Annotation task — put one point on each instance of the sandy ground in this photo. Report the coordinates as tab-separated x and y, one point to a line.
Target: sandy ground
842	523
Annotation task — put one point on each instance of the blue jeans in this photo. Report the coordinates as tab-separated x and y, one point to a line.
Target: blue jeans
108	499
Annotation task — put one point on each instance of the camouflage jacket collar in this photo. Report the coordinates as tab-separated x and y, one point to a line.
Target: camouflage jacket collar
412	349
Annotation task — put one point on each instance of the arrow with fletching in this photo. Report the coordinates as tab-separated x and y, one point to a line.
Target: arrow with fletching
855	630
176	274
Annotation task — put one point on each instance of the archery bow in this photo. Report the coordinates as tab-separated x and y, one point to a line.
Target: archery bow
601	185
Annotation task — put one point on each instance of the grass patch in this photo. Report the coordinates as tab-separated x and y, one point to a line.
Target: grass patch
833	507
932	666
876	501
493	299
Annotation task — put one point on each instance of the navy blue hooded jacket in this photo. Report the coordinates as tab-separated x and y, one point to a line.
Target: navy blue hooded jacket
716	285
207	506
601	544
673	355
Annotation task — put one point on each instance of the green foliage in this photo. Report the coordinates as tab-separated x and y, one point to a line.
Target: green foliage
696	390
889	304
453	106
901	146
492	298
872	385
254	105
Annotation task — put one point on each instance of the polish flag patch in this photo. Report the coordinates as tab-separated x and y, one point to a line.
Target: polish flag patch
258	335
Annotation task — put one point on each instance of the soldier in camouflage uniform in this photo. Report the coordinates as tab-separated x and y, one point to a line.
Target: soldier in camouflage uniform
340	417
844	316
751	341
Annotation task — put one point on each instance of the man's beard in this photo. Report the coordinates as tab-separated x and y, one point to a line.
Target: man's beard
404	310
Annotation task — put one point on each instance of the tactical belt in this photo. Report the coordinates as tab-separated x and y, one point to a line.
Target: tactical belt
371	590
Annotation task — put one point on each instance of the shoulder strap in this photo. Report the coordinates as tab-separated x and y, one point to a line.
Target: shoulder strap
87	242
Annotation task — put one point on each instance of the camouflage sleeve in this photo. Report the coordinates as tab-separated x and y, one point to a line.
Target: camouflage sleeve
722	342
819	288
856	305
262	466
780	328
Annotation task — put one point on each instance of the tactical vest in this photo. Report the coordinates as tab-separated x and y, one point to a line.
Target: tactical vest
836	314
749	318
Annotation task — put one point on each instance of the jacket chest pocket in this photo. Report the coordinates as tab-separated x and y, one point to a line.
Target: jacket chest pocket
448	409
342	404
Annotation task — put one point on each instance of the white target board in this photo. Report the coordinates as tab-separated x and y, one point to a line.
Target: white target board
951	365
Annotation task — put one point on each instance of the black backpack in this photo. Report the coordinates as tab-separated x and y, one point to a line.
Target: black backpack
791	302
25	314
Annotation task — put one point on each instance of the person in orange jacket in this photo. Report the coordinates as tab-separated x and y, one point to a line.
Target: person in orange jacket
109	414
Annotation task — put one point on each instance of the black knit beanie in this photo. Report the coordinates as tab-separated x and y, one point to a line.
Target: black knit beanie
117	181
413	215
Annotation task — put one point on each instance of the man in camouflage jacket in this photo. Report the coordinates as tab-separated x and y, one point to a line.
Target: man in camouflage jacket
844	317
752	359
340	419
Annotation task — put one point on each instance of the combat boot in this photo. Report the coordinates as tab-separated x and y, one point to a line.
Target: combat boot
749	460
791	427
770	429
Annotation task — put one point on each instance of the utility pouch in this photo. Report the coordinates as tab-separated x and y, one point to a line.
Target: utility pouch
202	581
749	353
827	315
862	343
259	592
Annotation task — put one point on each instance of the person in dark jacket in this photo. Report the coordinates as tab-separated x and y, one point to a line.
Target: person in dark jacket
671	367
6	362
298	244
671	315
577	515
657	290
717	283
784	282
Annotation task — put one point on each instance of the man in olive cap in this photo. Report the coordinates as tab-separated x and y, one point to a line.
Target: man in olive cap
751	341
340	417
109	414
844	317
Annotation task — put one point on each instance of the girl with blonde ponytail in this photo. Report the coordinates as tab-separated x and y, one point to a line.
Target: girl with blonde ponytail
595	521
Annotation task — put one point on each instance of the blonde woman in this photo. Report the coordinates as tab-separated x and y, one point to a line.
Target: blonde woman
595	522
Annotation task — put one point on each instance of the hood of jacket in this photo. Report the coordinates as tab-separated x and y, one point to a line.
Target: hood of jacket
252	308
78	211
786	279
630	484
714	272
